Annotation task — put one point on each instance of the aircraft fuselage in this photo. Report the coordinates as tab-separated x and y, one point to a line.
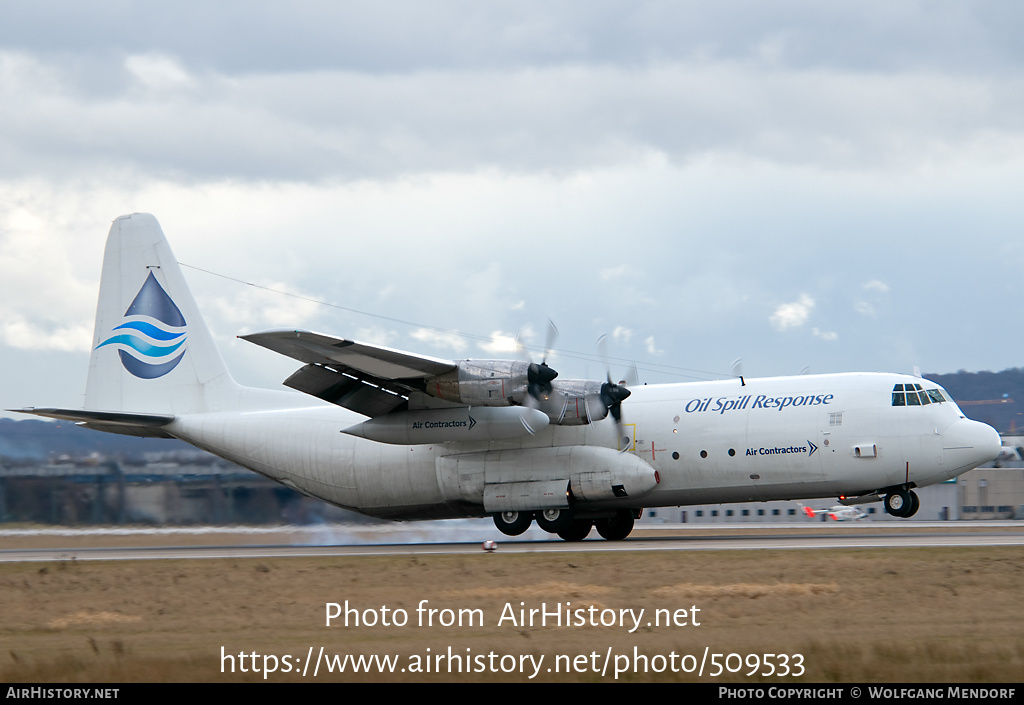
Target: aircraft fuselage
706	442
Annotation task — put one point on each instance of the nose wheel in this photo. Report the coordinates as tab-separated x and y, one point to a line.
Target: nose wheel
902	503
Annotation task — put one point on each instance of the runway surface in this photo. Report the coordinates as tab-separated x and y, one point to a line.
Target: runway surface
241	542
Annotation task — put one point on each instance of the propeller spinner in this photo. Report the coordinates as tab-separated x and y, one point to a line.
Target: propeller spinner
612	396
540	376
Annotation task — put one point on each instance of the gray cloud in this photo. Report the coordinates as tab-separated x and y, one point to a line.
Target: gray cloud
675	169
344	125
404	35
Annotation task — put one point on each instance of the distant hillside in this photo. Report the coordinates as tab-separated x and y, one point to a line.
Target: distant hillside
39	441
996	398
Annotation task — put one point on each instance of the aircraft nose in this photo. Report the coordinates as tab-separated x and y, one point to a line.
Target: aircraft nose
968	444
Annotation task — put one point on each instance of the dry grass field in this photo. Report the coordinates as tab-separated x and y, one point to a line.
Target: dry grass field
892	615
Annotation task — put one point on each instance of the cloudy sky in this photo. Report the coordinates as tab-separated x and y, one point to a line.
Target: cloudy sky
795	184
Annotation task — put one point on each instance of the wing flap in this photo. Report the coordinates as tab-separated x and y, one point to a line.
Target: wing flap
350	389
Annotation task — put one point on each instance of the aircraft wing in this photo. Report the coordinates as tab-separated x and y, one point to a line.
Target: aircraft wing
376	360
371	380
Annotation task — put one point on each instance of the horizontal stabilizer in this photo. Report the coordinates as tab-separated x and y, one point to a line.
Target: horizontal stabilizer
128	424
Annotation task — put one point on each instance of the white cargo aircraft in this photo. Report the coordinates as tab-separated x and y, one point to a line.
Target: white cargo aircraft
403	436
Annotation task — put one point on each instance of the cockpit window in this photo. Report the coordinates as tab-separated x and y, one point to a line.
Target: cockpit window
915	395
898	398
936	396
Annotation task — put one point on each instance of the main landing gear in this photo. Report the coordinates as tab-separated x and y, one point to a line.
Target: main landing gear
513	523
565	524
617	527
902	503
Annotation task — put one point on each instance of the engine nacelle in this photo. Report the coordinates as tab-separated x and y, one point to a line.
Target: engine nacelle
482	383
573	402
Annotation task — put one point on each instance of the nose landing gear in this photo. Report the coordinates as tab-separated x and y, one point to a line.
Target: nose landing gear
902	503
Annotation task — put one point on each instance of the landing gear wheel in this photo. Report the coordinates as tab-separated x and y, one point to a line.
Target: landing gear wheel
915	504
554	520
617	527
577	530
513	523
902	503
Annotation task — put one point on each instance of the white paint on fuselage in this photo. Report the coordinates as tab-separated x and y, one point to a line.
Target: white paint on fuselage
792	437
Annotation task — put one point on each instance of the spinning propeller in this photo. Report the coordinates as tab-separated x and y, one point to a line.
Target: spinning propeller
612	395
539	376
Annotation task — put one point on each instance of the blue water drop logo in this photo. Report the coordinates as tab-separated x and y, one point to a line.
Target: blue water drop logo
153	331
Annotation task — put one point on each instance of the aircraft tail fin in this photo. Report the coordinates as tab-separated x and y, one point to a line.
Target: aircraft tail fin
152	352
